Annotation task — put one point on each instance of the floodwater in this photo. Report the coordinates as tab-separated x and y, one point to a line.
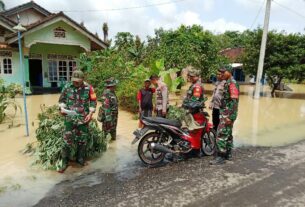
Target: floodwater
264	122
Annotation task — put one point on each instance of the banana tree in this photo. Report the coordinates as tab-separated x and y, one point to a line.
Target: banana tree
170	79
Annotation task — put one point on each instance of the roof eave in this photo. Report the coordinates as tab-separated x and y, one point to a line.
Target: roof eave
25	6
69	21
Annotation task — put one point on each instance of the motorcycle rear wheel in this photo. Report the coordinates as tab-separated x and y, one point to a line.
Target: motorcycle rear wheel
148	156
208	142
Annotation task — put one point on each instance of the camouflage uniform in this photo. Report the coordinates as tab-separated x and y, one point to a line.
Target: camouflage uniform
194	93
228	109
108	112
81	100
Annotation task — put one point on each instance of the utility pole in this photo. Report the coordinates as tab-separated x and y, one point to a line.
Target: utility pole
262	51
19	28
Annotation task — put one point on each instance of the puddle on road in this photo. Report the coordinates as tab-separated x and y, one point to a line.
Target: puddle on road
264	122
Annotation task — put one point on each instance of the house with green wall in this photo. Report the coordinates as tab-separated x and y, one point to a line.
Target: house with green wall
51	45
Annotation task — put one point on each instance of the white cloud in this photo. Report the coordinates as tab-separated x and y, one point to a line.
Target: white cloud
208	5
143	21
188	18
221	25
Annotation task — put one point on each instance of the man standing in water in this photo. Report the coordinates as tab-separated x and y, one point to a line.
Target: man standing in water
216	99
161	96
228	114
108	112
77	103
145	97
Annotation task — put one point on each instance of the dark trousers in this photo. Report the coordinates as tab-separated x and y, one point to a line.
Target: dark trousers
215	115
159	114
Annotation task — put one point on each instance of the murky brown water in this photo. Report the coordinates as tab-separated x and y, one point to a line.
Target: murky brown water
264	122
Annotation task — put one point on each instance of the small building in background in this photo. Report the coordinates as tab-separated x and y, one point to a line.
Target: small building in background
234	55
51	46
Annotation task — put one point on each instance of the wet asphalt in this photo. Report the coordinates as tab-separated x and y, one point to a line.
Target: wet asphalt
257	176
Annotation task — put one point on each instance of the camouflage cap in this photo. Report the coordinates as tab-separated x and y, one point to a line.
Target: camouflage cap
77	76
111	82
193	72
226	68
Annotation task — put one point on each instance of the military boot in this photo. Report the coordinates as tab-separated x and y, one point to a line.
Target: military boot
65	152
113	135
228	155
175	157
80	154
219	159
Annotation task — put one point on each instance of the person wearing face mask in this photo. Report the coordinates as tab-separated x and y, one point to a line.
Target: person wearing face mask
228	114
77	103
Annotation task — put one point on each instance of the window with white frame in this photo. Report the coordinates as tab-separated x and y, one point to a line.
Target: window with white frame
53	71
7	66
6	62
72	66
62	70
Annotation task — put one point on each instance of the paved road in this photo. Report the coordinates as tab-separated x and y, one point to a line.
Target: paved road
256	177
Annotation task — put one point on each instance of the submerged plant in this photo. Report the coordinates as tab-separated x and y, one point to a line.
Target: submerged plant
7	100
50	142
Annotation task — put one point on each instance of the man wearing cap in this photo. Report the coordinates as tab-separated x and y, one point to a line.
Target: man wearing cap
77	103
195	91
216	99
108	111
161	96
145	97
228	114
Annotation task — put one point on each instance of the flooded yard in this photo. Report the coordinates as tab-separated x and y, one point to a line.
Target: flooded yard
264	122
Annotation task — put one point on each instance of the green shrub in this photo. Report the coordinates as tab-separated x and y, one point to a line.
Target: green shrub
7	95
50	142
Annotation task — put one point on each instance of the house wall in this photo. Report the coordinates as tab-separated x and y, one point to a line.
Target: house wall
27	17
45	49
16	76
43	42
46	35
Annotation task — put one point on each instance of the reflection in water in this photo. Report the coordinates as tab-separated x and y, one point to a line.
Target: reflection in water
263	122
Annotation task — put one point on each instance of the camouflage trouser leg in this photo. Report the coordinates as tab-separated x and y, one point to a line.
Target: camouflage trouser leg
110	127
224	138
75	133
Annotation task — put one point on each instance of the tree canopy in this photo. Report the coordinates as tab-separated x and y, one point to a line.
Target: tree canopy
284	58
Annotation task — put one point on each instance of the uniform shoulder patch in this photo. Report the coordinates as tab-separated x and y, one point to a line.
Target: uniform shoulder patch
92	94
197	91
234	92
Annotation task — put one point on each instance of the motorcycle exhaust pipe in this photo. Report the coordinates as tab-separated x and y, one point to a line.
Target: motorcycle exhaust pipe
161	148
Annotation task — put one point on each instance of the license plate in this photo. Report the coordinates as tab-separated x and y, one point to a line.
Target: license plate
139	134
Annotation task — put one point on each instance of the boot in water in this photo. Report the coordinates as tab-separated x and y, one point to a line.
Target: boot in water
219	160
229	155
65	152
80	154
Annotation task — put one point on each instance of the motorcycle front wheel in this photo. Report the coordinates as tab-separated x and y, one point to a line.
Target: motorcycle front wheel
147	155
208	142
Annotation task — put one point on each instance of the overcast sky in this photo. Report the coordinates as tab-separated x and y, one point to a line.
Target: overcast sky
215	15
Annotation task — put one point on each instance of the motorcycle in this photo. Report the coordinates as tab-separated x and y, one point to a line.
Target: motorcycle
160	136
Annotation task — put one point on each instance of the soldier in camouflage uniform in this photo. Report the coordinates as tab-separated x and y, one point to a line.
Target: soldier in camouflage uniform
228	114
108	112
195	91
77	103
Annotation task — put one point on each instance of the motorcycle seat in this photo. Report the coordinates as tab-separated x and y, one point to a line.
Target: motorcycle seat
159	120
